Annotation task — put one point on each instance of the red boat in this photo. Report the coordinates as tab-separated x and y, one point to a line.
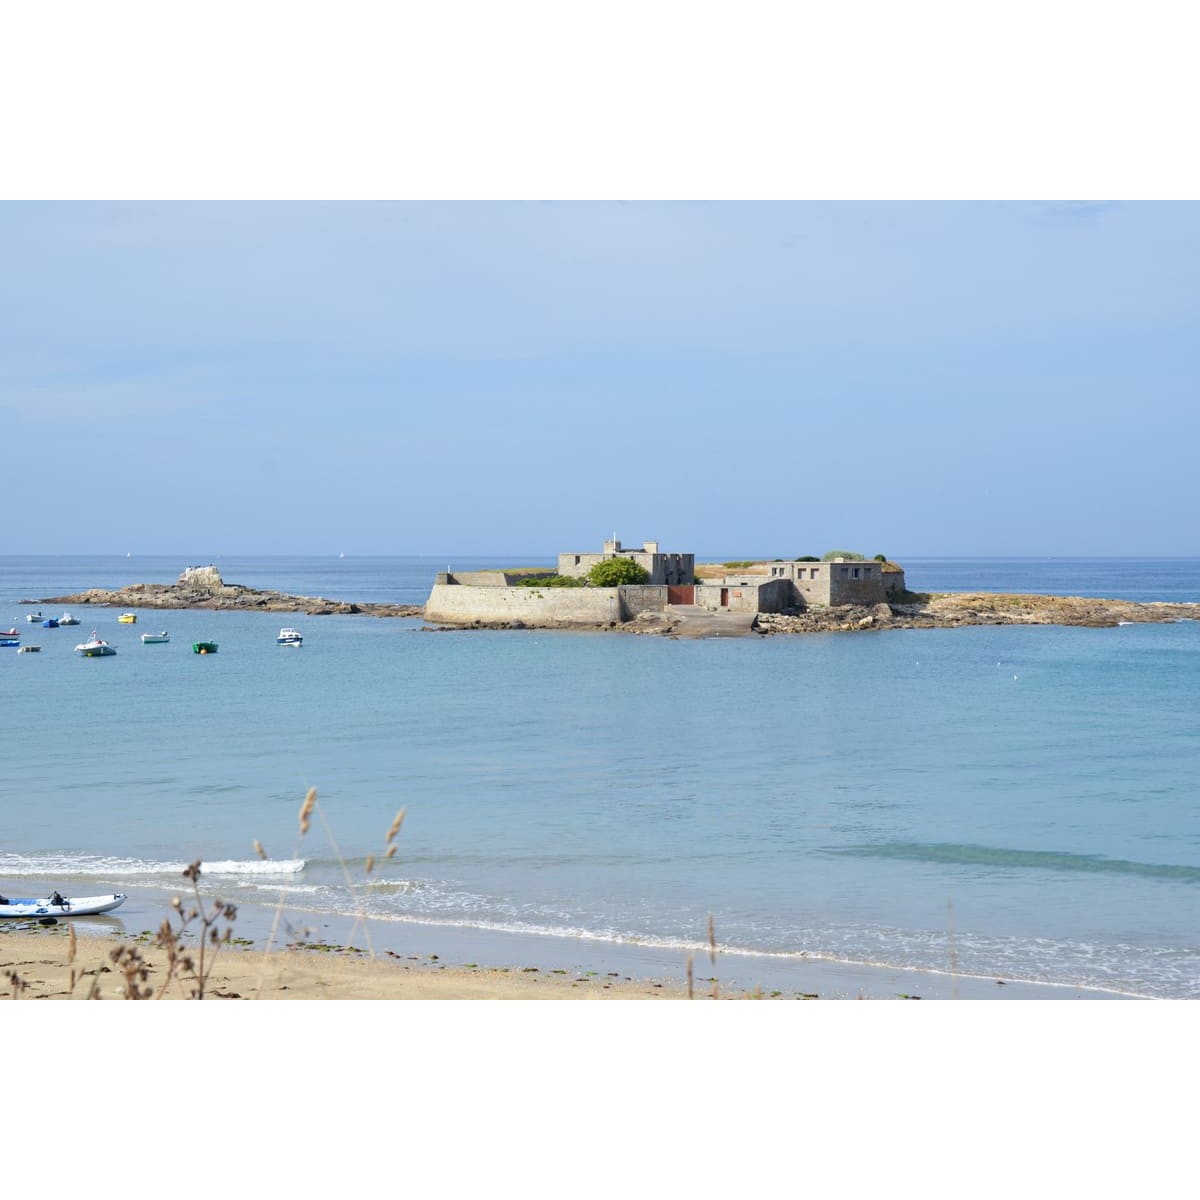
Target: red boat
9	633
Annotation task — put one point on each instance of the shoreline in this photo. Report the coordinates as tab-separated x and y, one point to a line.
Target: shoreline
350	958
917	610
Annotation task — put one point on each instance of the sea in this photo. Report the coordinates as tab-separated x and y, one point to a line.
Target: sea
1008	803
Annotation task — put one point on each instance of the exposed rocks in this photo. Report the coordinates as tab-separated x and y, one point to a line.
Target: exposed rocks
946	611
203	587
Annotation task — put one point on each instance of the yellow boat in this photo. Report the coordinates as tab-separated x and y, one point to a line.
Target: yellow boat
128	618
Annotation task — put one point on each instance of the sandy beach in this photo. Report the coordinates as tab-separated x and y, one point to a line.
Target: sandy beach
302	956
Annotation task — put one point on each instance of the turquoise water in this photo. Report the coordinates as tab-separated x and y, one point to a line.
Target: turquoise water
1010	802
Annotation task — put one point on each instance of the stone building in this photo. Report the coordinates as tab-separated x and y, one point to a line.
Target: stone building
790	585
662	568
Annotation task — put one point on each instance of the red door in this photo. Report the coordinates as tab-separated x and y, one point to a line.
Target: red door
681	593
724	597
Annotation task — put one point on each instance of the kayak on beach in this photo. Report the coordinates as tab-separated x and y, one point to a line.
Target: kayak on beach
59	906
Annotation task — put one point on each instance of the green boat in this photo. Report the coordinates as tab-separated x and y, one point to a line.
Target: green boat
204	647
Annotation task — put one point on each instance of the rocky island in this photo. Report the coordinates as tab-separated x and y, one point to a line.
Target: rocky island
203	587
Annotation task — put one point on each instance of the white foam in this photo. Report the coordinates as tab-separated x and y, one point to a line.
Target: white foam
93	865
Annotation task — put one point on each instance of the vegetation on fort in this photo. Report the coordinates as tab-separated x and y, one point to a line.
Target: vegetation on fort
541	581
613	572
851	555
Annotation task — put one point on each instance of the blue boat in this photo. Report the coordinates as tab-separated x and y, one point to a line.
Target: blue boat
50	623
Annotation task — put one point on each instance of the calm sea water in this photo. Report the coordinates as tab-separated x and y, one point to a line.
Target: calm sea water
1010	802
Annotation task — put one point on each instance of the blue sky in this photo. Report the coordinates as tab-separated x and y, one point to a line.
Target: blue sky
768	378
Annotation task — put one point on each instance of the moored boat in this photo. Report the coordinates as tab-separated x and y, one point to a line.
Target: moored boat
34	617
10	633
289	637
95	647
128	618
28	649
204	647
67	619
49	623
152	639
7	641
59	906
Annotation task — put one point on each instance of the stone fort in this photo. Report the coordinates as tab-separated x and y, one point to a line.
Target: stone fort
498	597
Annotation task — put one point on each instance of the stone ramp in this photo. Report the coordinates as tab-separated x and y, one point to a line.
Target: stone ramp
697	622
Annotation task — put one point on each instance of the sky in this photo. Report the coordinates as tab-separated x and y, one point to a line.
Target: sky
775	378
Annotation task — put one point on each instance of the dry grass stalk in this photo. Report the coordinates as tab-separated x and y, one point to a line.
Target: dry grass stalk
691	981
307	810
712	954
181	964
953	949
310	802
135	972
394	828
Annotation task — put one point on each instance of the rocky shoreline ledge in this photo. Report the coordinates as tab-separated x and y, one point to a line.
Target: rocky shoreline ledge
203	587
948	610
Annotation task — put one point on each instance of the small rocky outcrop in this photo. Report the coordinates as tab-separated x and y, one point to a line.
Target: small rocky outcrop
199	579
203	587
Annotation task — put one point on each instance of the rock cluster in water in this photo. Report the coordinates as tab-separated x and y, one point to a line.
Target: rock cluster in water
203	587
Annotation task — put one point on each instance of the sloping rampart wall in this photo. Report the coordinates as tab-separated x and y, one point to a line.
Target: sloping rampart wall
457	604
454	604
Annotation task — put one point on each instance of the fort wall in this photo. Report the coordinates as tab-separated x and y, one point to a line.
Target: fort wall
456	604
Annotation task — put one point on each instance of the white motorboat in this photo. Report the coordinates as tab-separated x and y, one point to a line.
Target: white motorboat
151	639
289	637
67	619
95	647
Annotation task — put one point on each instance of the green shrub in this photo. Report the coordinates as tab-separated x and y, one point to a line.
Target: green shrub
552	581
613	572
807	558
830	555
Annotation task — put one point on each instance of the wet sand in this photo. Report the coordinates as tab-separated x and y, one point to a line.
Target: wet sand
276	954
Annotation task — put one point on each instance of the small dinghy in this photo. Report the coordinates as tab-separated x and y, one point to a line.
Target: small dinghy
154	639
59	906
